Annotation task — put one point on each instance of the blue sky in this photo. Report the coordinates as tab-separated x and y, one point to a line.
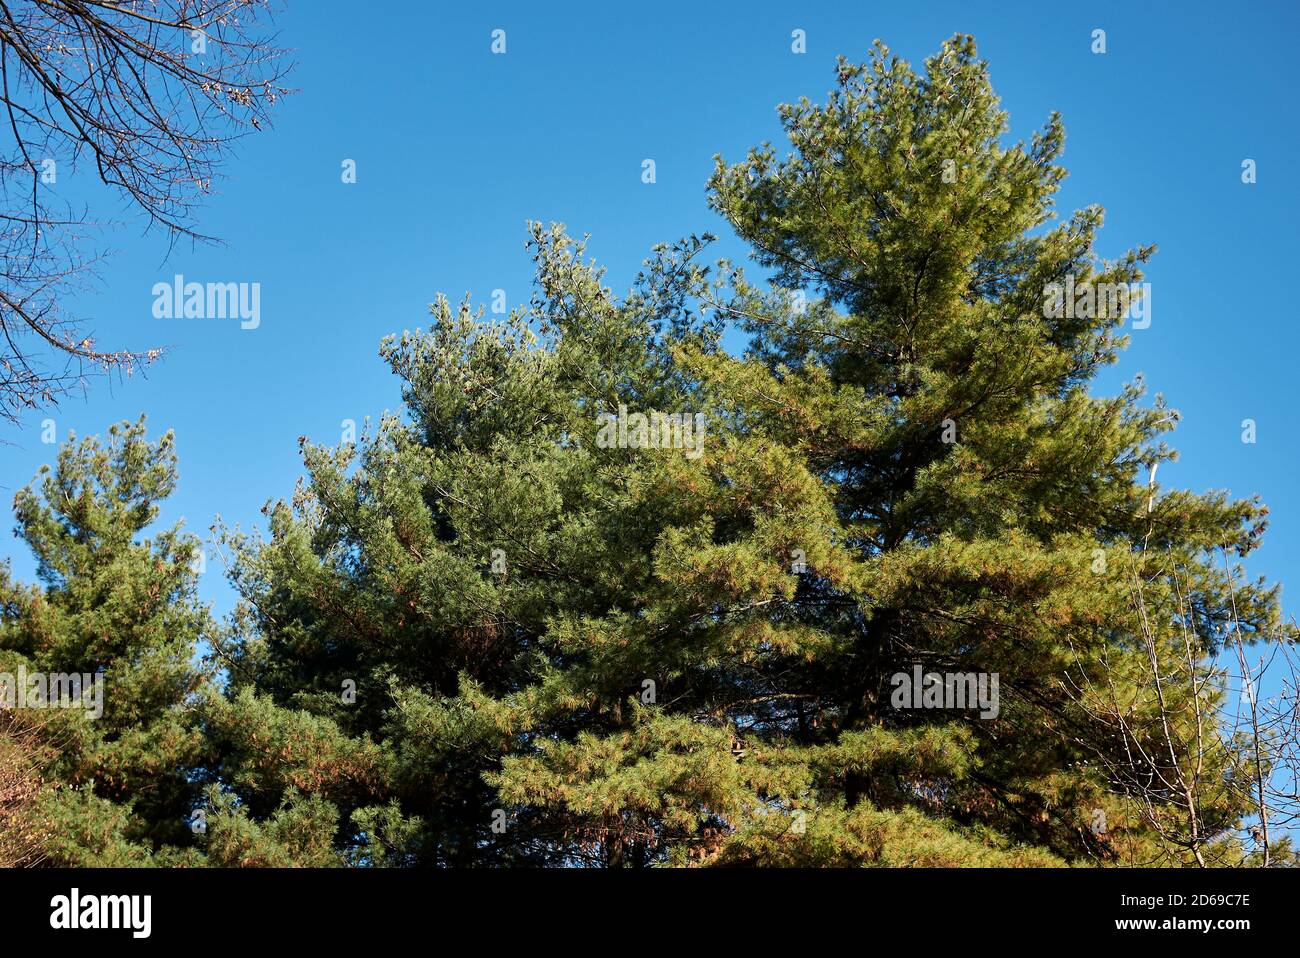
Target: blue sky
456	148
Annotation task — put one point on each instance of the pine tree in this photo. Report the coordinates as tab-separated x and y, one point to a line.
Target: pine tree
523	624
424	573
1001	519
117	788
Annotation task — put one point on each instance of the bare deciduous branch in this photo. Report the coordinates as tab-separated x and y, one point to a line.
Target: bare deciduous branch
151	95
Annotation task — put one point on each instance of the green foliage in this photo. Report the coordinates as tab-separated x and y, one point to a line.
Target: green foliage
605	653
121	786
483	636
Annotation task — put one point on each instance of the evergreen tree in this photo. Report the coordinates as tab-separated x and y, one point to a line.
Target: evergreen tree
1001	520
118	787
507	629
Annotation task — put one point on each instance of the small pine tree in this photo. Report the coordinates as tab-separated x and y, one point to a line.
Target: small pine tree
117	788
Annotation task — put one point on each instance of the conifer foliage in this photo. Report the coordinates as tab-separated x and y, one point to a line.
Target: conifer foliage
609	594
119	613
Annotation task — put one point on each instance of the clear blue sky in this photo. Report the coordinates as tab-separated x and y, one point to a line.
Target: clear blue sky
456	148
